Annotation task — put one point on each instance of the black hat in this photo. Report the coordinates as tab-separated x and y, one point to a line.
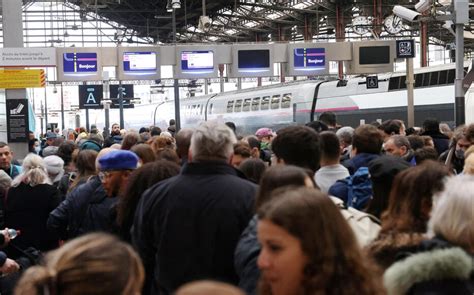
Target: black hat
384	168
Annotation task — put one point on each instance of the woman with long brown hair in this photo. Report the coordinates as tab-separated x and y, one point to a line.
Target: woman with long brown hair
308	248
405	221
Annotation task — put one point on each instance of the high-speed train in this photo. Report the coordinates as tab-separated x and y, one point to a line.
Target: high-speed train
302	101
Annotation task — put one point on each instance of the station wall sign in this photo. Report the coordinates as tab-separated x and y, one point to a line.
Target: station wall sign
17	120
90	96
17	79
372	82
27	57
405	48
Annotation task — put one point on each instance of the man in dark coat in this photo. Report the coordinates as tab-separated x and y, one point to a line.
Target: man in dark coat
186	227
431	129
90	206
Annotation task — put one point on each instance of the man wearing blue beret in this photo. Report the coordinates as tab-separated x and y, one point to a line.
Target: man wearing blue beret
115	167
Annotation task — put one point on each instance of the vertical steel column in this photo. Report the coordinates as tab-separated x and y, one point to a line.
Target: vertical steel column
424	43
340	35
176	81
63	125
460	115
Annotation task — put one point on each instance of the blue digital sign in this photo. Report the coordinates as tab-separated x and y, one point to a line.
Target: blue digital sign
80	62
309	59
197	62
254	60
139	62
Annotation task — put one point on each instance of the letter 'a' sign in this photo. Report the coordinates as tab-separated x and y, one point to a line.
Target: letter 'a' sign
90	96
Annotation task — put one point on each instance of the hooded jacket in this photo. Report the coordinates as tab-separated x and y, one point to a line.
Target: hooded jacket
435	272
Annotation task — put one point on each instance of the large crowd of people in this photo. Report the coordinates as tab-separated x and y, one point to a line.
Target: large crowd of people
303	210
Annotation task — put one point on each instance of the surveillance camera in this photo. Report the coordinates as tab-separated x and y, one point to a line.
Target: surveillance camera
449	25
55	90
204	23
176	4
423	5
405	13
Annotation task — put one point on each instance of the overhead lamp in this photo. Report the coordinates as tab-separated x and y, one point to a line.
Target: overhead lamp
169	8
176	4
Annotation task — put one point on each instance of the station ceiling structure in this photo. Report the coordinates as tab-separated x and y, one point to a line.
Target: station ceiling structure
149	21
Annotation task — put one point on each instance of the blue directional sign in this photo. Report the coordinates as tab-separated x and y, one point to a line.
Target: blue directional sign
405	48
127	94
80	62
90	96
310	59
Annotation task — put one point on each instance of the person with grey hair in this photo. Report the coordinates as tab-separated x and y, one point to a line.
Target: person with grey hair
345	141
399	146
187	227
30	199
443	264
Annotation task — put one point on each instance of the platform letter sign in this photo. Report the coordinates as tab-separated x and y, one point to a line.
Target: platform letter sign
372	82
17	120
405	48
127	91
90	96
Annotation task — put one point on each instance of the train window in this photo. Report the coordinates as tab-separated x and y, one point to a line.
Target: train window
230	106
434	78
403	80
265	103
238	105
418	80
275	102
451	76
443	76
246	105
394	83
255	103
426	79
286	101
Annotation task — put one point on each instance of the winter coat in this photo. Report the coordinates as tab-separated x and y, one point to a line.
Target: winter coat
27	209
439	271
85	209
186	227
441	141
245	258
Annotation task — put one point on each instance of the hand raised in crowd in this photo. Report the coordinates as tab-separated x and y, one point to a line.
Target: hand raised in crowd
6	236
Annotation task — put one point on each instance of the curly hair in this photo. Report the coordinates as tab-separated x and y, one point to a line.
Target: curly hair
336	263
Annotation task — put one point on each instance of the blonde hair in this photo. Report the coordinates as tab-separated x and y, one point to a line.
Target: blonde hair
208	288
453	214
92	264
33	172
469	163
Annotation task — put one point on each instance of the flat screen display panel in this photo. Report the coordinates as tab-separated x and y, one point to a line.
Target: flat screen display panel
139	62
80	62
198	61
374	55
309	59
251	60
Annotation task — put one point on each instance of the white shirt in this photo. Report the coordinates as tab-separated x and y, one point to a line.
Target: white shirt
326	176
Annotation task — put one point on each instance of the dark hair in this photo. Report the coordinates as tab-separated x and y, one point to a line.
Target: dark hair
329	118
172	122
411	198
279	176
65	151
367	139
143	129
391	127
425	153
431	124
299	146
253	141
231	125
85	165
242	149
253	169
416	142
168	155
138	182
330	146
155	131
327	241
130	139
144	152
317	126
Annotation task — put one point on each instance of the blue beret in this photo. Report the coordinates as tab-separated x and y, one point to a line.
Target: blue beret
118	160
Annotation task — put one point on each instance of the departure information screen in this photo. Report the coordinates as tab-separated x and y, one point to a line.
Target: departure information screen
254	59
139	62
197	61
80	62
374	55
309	59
